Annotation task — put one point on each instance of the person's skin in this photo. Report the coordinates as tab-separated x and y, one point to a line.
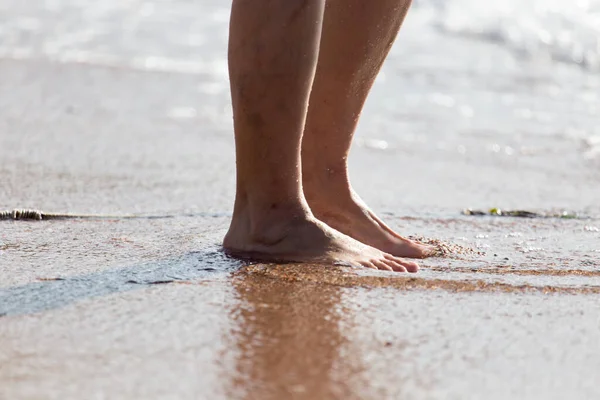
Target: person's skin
273	54
357	36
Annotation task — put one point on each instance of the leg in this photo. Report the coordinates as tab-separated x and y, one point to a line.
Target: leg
356	39
273	52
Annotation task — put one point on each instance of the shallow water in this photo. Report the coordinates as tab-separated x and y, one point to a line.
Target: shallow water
502	80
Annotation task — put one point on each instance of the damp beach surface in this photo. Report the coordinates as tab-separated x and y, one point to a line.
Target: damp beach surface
122	109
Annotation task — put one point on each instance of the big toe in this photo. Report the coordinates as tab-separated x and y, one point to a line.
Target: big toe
427	250
410	249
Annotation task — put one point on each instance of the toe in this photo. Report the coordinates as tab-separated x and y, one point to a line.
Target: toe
409	266
435	251
413	249
368	264
382	265
397	266
428	250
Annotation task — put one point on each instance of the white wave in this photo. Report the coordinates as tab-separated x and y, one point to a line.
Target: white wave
561	30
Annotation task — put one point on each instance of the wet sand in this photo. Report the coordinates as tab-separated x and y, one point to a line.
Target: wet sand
150	308
187	329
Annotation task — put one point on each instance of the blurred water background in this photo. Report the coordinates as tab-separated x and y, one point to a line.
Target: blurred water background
510	83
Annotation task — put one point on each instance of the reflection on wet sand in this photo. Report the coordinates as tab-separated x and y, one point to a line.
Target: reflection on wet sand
508	270
289	340
295	332
343	277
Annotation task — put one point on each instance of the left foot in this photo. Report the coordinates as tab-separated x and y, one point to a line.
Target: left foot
351	216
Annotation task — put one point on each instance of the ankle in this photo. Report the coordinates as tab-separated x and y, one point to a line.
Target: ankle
326	182
265	222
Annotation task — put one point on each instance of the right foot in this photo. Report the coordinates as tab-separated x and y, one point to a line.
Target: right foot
304	239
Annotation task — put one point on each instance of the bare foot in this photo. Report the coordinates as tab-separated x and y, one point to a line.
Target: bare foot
288	237
351	216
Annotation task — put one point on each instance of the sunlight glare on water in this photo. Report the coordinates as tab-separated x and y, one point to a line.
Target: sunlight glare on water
523	71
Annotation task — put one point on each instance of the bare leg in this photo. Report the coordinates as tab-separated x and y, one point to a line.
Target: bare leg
273	51
357	36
